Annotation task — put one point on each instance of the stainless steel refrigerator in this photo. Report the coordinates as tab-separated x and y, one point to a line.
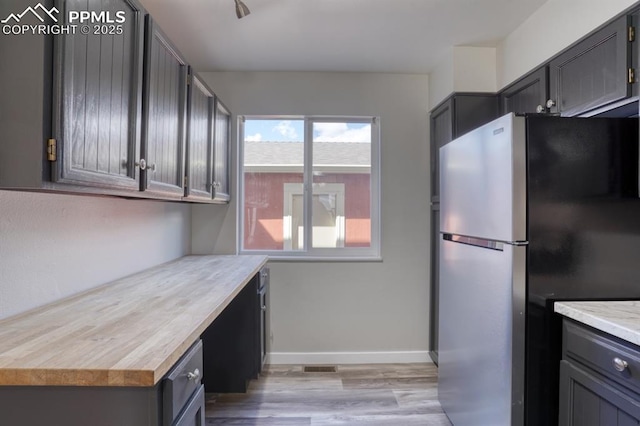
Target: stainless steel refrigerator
534	209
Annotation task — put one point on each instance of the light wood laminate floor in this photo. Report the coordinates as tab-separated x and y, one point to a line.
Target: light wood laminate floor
377	395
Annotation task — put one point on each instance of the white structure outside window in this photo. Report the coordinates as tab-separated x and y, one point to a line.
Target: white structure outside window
328	221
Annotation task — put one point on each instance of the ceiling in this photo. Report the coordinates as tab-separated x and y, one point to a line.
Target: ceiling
403	36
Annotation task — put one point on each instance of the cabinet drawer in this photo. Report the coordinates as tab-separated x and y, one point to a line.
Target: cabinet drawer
588	400
601	352
193	414
181	383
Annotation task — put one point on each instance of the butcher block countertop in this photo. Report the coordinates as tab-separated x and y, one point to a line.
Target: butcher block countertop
129	332
618	318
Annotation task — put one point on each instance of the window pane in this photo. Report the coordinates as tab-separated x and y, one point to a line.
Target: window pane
341	185
273	176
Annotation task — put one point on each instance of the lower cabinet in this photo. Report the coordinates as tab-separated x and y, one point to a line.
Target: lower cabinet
193	414
233	343
589	400
177	400
181	388
599	379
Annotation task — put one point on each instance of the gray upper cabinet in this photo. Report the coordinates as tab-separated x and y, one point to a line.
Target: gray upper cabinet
527	95
97	97
71	104
200	135
594	73
222	140
164	112
453	117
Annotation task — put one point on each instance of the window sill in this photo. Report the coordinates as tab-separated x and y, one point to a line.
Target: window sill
328	259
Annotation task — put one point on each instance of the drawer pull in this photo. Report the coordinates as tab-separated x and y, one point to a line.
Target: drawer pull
195	375
264	308
620	364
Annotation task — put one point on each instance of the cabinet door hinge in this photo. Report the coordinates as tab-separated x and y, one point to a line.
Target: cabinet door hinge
632	34
632	75
52	150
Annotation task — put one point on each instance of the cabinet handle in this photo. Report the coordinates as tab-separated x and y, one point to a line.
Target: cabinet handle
620	364
195	375
142	164
551	103
264	308
152	167
540	109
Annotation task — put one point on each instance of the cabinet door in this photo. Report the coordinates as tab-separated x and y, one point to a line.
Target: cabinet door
97	98
200	141
221	157
441	133
164	116
193	414
588	400
435	281
527	95
593	73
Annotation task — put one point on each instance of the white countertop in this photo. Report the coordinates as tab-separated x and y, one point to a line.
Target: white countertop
618	318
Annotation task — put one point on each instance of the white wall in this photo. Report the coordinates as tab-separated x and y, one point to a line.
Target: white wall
52	246
463	69
320	309
552	28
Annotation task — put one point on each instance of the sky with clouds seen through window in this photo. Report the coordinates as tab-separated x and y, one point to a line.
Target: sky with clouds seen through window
293	131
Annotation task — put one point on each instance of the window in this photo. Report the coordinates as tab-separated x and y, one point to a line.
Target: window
309	187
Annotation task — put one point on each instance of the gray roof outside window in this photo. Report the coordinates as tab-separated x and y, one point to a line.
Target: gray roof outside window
292	153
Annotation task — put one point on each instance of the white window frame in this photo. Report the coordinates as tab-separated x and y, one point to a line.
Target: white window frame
309	253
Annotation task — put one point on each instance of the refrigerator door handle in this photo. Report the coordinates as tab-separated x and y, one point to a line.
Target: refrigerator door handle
476	242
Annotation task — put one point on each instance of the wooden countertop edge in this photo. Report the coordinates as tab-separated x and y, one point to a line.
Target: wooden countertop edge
114	377
164	368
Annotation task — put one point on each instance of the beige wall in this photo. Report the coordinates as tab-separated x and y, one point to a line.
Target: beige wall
326	312
52	246
463	69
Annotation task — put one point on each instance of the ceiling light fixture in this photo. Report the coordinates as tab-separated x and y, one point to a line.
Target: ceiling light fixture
241	9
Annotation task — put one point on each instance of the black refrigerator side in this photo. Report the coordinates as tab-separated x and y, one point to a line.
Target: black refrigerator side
583	215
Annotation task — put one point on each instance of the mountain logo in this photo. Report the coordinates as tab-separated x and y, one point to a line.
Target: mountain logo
34	11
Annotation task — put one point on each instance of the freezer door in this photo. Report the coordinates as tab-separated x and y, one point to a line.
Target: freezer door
483	182
481	332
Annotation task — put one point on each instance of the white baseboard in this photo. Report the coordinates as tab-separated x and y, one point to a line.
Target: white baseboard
315	358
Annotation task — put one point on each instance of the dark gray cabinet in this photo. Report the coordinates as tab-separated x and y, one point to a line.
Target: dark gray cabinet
527	95
261	309
177	400
222	140
435	281
164	112
98	83
588	400
200	136
107	113
595	72
599	379
71	104
232	343
193	414
453	117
